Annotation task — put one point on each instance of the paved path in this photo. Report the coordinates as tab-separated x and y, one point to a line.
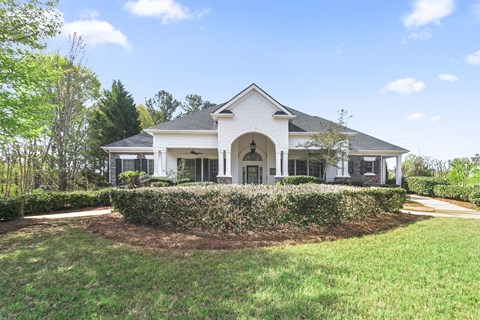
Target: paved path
443	209
94	212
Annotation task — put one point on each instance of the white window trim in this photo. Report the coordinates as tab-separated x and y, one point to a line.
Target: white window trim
372	160
127	156
150	157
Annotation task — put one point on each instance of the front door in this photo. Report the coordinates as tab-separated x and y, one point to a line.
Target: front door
252	174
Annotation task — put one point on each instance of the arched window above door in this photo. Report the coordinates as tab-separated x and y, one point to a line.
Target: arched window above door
252	156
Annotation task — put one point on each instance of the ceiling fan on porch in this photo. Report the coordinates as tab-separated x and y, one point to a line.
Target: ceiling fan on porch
195	152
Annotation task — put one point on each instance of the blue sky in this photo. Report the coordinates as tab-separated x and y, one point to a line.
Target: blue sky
407	71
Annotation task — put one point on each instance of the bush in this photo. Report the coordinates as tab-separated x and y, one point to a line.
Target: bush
185	180
41	201
11	208
423	185
296	180
160	184
453	192
475	197
243	208
169	181
198	183
129	178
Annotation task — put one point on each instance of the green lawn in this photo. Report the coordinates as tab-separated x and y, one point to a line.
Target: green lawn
427	270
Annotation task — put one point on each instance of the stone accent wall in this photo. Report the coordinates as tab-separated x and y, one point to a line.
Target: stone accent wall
369	180
112	163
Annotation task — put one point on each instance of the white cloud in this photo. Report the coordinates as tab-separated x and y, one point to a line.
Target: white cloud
167	10
89	14
428	11
424	35
448	77
416	117
404	86
95	32
474	58
436	118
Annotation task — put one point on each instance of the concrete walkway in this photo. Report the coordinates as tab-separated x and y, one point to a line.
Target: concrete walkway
88	213
442	209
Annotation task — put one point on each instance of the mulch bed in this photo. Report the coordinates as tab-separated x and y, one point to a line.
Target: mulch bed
114	227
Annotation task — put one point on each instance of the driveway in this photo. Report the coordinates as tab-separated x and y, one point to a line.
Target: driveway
442	209
76	214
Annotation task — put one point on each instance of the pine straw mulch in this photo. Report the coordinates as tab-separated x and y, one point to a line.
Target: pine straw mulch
114	227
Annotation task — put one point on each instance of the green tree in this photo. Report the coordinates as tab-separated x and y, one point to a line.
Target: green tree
144	117
113	118
193	103
162	106
24	71
461	170
416	166
330	145
77	87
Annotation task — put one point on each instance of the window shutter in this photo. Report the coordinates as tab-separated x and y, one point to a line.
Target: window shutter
376	167
144	166
198	169
205	170
363	167
350	167
118	169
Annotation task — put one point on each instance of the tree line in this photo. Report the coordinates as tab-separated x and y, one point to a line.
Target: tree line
54	115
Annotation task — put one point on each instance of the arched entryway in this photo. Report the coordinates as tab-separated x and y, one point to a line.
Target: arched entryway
253	167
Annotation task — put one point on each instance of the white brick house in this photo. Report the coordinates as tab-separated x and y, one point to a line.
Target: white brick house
215	145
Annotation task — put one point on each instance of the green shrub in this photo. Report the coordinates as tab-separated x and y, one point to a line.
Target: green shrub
169	181
198	183
159	184
296	180
129	178
11	208
453	192
243	208
423	185
475	196
45	201
184	180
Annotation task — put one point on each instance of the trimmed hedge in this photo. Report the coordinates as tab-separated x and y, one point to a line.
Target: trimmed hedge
296	180
453	192
11	208
243	208
54	200
423	185
475	197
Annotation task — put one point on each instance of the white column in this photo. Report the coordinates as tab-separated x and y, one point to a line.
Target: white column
163	168
228	160
278	163
156	163
285	163
220	163
383	178
398	171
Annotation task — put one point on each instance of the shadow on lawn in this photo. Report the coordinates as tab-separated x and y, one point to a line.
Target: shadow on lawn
63	272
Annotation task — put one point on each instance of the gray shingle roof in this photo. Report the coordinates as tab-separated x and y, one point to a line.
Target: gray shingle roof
200	120
139	141
302	122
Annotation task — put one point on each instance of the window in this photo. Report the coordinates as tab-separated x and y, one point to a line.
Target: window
368	166
186	167
302	168
150	167
213	170
252	156
291	167
315	169
128	165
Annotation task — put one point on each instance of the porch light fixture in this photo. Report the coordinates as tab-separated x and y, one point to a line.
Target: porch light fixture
253	145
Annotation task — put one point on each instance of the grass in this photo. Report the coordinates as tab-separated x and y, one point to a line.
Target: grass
427	270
